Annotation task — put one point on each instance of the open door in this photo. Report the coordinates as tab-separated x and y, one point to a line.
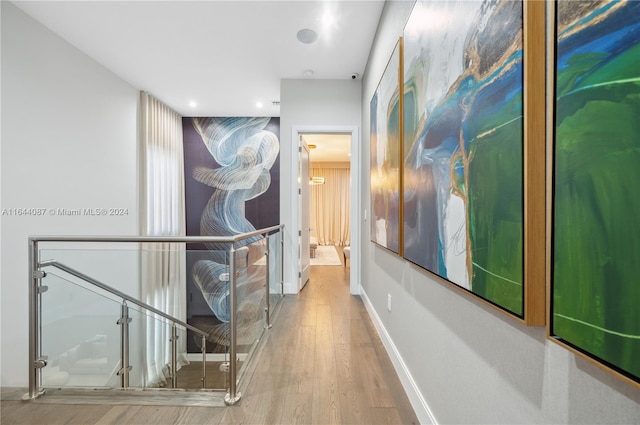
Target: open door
304	230
302	208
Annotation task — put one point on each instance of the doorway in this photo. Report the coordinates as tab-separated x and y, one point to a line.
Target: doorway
304	225
350	136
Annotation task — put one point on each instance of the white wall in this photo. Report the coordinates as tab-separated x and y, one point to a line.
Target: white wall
308	104
460	361
69	140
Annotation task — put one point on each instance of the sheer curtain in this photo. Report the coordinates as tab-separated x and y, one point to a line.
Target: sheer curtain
331	206
163	266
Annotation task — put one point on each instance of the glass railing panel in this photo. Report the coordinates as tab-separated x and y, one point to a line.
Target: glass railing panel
202	302
251	292
139	376
200	298
189	374
216	373
79	335
275	270
116	264
208	310
151	356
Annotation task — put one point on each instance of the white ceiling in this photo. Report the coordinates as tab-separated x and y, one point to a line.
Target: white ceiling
224	55
329	147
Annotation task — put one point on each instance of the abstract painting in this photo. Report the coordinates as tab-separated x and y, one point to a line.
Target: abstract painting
463	202
595	291
385	157
231	187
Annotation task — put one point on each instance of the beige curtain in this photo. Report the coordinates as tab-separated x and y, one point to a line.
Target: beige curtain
163	266
331	206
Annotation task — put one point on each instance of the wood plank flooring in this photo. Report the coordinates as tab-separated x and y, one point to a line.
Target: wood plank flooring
323	363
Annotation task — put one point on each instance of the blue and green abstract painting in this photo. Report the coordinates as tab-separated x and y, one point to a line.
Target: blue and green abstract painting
596	203
463	137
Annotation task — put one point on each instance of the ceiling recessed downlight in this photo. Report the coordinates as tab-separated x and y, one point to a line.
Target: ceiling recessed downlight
308	73
259	104
307	36
193	104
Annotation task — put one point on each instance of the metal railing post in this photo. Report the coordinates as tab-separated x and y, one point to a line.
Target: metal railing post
267	309
204	362
35	338
174	356
232	396
124	346
281	262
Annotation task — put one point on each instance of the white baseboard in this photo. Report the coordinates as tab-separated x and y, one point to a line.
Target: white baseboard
290	288
416	399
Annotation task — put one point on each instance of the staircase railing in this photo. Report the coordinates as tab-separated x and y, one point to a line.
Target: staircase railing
233	248
125	320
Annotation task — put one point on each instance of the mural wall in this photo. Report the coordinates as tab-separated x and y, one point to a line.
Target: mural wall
231	187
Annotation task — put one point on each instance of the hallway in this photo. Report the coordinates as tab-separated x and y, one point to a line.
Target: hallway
322	364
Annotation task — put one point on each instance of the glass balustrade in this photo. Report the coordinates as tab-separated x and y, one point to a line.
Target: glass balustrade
79	335
208	310
276	269
155	361
258	296
173	312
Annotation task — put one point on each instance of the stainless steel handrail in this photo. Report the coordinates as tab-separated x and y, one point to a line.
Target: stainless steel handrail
105	287
172	239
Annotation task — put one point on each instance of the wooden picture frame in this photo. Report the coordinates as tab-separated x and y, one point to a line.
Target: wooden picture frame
385	154
437	128
593	296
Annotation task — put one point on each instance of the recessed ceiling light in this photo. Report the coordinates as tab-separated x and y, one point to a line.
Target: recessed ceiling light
193	104
328	19
308	73
259	105
307	36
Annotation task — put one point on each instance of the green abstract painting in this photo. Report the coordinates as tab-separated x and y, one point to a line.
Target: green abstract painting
595	304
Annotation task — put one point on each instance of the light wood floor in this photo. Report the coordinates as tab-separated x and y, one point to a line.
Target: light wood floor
322	364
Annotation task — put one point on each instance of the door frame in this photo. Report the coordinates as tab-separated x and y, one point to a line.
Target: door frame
304	234
356	210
